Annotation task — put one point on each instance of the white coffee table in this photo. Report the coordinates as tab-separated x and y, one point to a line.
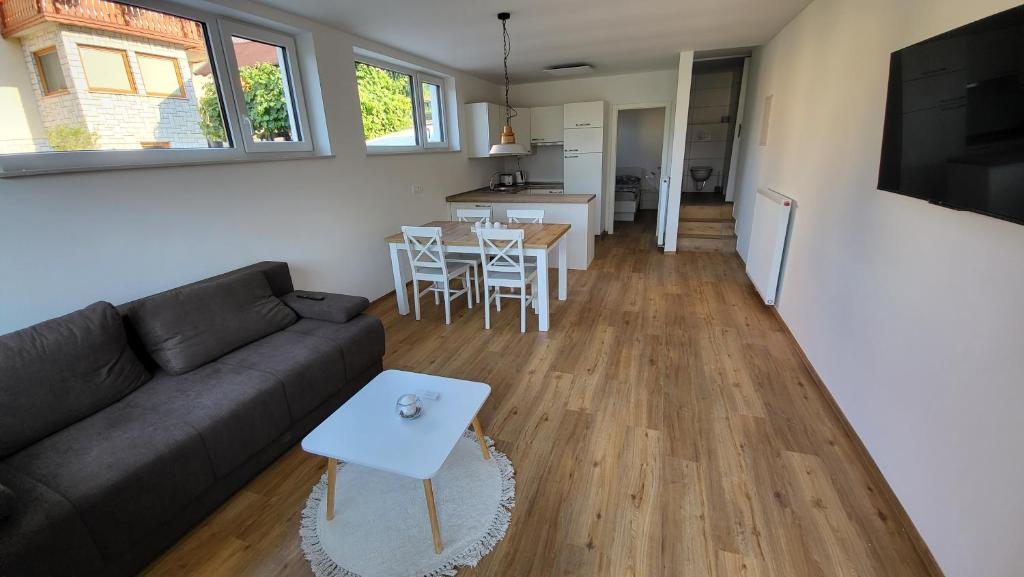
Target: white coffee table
367	431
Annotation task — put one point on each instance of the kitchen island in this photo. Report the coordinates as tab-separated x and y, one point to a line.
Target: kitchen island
577	210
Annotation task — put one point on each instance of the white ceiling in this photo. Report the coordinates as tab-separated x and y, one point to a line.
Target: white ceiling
613	35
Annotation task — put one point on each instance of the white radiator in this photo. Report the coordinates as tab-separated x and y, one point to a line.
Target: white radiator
768	241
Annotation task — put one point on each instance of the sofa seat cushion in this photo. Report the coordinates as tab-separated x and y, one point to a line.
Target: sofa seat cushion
124	470
62	370
44	535
185	328
236	411
310	369
361	340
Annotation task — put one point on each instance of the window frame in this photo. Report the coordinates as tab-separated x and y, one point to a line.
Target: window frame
139	56
133	91
314	143
419	77
294	98
44	83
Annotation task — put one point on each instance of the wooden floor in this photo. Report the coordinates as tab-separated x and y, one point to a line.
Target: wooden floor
666	426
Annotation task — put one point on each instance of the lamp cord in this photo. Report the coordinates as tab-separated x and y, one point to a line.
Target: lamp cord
506	41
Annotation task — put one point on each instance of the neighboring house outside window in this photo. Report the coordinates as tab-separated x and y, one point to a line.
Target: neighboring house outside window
105	90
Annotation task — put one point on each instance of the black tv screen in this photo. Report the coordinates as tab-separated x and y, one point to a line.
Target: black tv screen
954	119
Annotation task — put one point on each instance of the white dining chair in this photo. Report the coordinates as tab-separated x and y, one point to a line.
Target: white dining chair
504	267
429	264
527	215
472	215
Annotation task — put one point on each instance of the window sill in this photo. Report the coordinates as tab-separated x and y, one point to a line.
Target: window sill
260	157
394	152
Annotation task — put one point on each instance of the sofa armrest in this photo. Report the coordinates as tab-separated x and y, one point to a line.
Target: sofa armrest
335	308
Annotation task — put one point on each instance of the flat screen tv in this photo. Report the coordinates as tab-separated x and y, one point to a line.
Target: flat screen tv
954	119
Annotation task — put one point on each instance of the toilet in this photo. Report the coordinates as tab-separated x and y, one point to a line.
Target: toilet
700	175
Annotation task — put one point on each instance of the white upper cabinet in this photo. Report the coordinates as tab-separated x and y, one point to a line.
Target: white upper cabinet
546	125
484	122
584	140
584	115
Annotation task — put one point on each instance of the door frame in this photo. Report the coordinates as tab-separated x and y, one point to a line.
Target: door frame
613	151
730	192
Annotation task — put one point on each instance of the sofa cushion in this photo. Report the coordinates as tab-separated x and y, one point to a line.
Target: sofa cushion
124	470
309	368
44	536
332	307
361	340
186	328
57	372
236	411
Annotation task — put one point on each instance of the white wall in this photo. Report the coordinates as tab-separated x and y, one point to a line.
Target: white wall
911	313
641	137
69	240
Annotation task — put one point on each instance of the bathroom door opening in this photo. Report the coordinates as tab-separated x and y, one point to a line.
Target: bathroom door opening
714	126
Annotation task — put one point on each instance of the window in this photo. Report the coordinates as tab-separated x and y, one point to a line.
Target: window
263	70
402	109
107	70
161	76
163	83
51	75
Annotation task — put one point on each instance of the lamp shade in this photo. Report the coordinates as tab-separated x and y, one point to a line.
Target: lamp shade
508	149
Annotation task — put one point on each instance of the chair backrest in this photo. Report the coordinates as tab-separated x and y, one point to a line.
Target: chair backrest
472	214
502	250
423	244
528	215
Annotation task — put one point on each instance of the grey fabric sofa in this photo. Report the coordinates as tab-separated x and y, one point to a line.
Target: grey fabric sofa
121	428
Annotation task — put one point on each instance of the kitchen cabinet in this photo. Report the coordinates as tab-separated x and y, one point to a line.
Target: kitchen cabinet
584	140
484	121
583	174
583	115
546	125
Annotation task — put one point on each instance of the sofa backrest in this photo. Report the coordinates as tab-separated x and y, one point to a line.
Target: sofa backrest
278	277
62	370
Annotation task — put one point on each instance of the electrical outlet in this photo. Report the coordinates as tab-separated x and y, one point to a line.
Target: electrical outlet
417	189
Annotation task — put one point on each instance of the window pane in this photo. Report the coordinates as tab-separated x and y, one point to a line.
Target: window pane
433	110
106	69
161	76
52	75
263	69
99	107
386	102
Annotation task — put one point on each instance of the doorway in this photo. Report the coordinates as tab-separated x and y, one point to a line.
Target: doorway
640	149
715	112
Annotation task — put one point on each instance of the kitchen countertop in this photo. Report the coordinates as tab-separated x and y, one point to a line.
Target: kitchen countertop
522	195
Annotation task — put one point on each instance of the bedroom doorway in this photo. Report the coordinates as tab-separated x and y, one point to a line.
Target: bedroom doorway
640	138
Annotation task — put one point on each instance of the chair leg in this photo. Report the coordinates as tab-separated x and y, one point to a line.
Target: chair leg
487	307
469	293
437	299
533	293
522	310
416	296
476	282
497	298
447	306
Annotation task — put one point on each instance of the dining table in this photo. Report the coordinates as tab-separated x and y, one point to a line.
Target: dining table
458	237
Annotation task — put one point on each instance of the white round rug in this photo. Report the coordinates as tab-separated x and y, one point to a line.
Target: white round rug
381	527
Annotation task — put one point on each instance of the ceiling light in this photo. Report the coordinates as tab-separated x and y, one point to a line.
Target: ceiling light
508	144
569	69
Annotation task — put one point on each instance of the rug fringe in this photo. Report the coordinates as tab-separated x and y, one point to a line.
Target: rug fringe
323	566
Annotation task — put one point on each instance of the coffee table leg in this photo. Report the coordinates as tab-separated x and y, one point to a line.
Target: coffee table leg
332	472
428	491
480	437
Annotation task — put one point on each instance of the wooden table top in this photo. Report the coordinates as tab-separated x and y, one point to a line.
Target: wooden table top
461	234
